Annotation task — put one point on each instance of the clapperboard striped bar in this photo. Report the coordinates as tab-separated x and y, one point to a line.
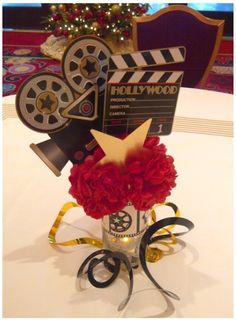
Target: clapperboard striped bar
140	76
147	58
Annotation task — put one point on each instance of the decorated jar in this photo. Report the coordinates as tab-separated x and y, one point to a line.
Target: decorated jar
123	230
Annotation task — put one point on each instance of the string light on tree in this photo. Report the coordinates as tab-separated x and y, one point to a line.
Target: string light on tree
97	19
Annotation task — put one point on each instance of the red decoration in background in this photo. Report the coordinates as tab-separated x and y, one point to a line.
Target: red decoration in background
69	6
56	16
77	12
126	34
100	19
65	33
71	17
145	179
88	15
58	32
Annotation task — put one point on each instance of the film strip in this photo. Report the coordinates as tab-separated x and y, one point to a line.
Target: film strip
147	58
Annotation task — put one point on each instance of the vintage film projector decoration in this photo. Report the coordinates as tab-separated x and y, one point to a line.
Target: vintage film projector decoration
67	108
100	91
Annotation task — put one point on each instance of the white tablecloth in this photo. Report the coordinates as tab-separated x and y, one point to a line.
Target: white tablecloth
40	281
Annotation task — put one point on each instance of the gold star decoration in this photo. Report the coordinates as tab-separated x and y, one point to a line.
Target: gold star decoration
116	149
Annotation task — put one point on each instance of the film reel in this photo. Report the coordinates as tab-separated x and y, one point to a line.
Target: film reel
85	62
120	222
41	100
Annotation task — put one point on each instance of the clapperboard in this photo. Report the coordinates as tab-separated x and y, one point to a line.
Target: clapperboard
134	95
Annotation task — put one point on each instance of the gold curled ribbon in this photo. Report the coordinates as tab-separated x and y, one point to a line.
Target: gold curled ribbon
153	215
153	254
73	242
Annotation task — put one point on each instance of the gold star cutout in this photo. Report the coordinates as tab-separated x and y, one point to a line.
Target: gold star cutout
116	149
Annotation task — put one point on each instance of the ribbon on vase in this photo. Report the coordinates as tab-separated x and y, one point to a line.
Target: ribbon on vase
148	238
156	232
152	254
73	242
114	268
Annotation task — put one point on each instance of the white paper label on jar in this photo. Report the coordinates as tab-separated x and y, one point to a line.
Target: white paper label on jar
127	222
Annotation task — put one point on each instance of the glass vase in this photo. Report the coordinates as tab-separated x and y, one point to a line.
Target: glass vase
123	230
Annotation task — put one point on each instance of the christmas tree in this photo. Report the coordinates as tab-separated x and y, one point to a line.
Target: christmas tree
73	20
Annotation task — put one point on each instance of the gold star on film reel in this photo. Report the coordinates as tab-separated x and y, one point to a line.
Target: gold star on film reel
41	101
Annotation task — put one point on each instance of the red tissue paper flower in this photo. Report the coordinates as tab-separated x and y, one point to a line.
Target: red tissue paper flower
100	189
146	178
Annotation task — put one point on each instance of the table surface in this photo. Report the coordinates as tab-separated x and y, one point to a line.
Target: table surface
39	281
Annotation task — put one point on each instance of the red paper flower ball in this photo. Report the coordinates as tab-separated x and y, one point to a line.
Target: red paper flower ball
100	189
151	176
146	178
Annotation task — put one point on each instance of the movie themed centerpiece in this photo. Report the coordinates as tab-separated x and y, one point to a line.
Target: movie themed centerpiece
123	185
105	115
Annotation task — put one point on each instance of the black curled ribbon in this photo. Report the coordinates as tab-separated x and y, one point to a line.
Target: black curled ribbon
113	261
117	258
147	239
